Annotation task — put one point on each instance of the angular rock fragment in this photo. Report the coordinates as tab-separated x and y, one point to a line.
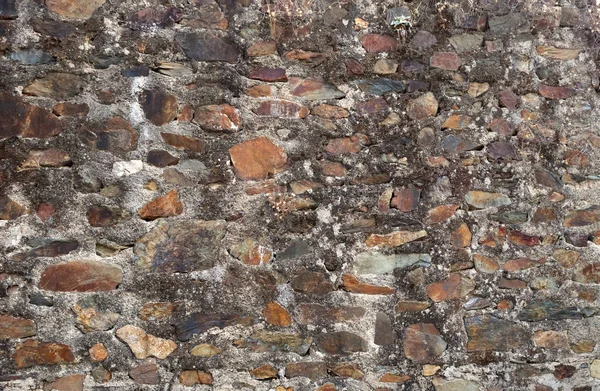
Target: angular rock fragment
282	109
446	61
265	341
557	53
423	343
81	276
454	287
145	373
153	17
165	206
457	122
312	370
74	9
66	383
340	342
551	92
268	74
483	200
115	135
330	111
583	217
352	284
58	86
184	142
487	332
218	118
384	331
466	42
198	323
255	159
588	273
105	216
161	159
311	283
412	306
251	253
10	210
144	345
206	47
374	43
376	263
277	315
13	327
394	239
33	352
189	378
205	350
159	107
423	107
344	145
441	213
538	311
311	89
380	86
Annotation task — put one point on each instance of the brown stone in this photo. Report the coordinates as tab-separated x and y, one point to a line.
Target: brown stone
164	206
262	48
145	373
115	135
352	284
33	352
46	158
58	86
551	92
412	306
477	89
518	264
10	210
583	217
205	46
266	187
502	127
66	383
105	216
265	341
566	258
423	343
446	60
577	158
205	350
262	91
304	186
184	142
251	252
156	311
98	352
218	118
422	107
144	345
306	56
544	215
461	237
394	239
344	145
89	319
353	67
313	89
280	108
277	315
441	213
506	283
255	159
522	239
268	74
489	333
334	169
81	276
509	99
264	372
584	346
588	273
13	327
373	106
67	109
454	287
347	370
311	283
330	111
191	377
482	199
340	342
312	313
457	122
551	339
74	9
375	43
393	378
161	159
312	370
384	330
557	53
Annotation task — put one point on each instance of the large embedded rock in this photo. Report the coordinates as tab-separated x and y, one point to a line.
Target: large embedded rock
81	276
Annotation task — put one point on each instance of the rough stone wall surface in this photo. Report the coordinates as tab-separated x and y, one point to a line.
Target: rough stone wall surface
299	195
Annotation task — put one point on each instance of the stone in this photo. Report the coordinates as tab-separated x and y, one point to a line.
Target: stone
32	352
537	311
136	71
161	159
584	346
81	276
478	89
423	343
461	237
330	111
502	127
406	200
268	74
509	99
384	330
423	107
566	258
277	315
145	373
173	69
518	264
483	200
423	40
412	306
312	313
115	135
312	370
180	246
559	54
23	119
510	217
507	24
251	253
380	86
74	9
10	210
375	43
489	333
262	48
522	239
144	345
306	56
265	341
304	186
454	287
280	108
105	216
311	89
344	145
89	319
98	352
58	86
550	92
385	67
445	60
198	323
430	370
14	327
340	342
255	159
311	283
159	107
376	263
507	283
205	350
466	42
441	213
457	122
164	206
203	46
187	143
394	239
454	385
595	369
153	17
41	299
67	109
373	106
51	28
191	377
582	217
550	339
393	378
564	371
352	284
66	383
587	273
333	169
218	118
264	372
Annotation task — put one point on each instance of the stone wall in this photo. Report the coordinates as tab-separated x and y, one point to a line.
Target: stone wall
299	195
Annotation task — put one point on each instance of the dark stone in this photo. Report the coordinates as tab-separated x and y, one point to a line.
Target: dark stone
153	17
53	28
160	158
199	323
296	249
40	299
511	217
105	216
52	249
564	371
136	71
206	47
452	144
265	341
380	86
487	332
159	107
502	150
32	57
311	283
340	342
58	86
416	85
115	135
312	370
384	331
145	373
8	9
548	310
268	74
33	352
10	210
547	178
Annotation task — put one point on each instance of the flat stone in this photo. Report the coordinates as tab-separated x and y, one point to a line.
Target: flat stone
255	159
89	319
180	246
348	370
406	200
566	258
344	145
454	145
489	333
74	9
312	370
394	239
268	74
393	378
188	143
375	43
588	273
105	216
115	135
31	57
189	378
559	54
165	206
144	345
340	342
306	56
461	237
522	239
277	315
584	346
477	303
8	9
218	118
423	343
304	186
311	283
33	352
373	106
159	107
509	99
330	111
376	263
423	40
313	313
58	86
266	341
282	109
445	60
511	283
380	86
352	284
454	385
502	127
310	89
198	323
582	217
161	159
483	200
12	327
441	213
385	66
466	42
205	350
423	107
66	383
510	217
384	330
478	89
412	306
262	48
457	122
153	17
206	47
10	210
551	92
23	119
595	369
454	287
265	371
550	339
67	109
251	252
81	276
547	178
507	24
538	311
145	373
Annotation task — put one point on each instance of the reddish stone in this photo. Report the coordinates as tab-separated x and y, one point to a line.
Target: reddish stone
406	200
446	60
33	352
165	206
313	58
519	238
12	327
311	283
509	99
81	276
155	17
349	370
333	169
255	159
454	287
10	210
184	142
422	107
45	211
261	91
373	106
550	92
218	118
98	352
423	343
441	213
312	370
191	377
353	144
277	315
205	46
266	187
186	114
313	89
115	135
340	342
506	283
461	237
159	107
268	74
352	284
330	111
564	371
67	109
265	371
581	218
485	264
66	383
514	265
353	67
282	109
58	86
312	313
544	215
576	158
502	127
375	43
160	158
145	373
457	122
262	48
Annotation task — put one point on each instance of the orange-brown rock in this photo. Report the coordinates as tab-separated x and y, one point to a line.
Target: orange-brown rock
393	378
191	377
262	91
394	239
406	200
454	287
507	283
423	343
255	159
461	237
33	352
551	92
251	252
457	122
334	169
184	142
164	206
330	111
265	371
277	315
514	265
262	48
412	306
374	43
265	187
352	284
282	109
522	239
98	352
218	118
159	107
441	213
14	327
81	276
156	311
551	339
66	383
485	264
74	9
344	145
350	370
